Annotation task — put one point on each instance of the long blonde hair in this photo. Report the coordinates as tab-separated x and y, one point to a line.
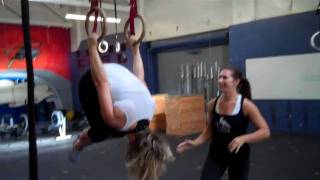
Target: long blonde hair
147	161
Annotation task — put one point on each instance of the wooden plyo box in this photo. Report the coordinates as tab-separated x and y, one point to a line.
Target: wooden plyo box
179	115
158	122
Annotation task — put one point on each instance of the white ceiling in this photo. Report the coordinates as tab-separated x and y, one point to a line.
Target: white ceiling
52	12
163	18
107	4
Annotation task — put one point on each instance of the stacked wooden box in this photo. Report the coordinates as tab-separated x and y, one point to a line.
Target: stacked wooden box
179	115
158	122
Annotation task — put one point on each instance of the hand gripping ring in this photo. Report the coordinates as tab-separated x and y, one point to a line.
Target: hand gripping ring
103	22
313	39
126	26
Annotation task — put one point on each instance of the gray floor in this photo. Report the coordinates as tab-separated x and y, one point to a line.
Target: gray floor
279	158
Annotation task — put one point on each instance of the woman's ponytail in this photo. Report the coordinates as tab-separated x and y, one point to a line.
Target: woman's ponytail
244	88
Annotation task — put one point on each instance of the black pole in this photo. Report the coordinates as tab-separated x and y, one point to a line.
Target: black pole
116	16
33	158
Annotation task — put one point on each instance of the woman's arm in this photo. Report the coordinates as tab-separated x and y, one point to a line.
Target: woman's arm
262	132
99	76
97	71
207	132
137	68
203	137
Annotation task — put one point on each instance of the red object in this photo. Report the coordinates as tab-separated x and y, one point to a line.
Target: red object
95	3
133	14
54	48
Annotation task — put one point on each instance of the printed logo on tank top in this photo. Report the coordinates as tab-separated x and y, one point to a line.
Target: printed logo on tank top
223	126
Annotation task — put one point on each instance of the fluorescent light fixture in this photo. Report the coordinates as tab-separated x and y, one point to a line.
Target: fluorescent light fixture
83	18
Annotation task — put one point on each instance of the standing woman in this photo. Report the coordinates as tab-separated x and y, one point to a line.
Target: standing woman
229	116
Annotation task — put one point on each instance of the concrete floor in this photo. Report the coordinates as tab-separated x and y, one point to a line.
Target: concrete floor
294	157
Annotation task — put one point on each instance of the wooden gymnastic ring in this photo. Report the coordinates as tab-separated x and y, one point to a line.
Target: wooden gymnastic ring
103	22
126	26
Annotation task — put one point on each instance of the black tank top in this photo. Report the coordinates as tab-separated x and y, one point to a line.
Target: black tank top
224	129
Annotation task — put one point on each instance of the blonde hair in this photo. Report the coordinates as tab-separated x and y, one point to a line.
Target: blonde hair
148	160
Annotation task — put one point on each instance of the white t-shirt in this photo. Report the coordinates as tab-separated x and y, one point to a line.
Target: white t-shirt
129	94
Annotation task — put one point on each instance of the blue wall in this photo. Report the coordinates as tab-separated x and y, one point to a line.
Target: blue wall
273	37
150	67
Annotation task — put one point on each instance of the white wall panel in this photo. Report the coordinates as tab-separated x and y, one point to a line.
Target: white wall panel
285	77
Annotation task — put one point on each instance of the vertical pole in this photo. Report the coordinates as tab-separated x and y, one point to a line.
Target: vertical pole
33	158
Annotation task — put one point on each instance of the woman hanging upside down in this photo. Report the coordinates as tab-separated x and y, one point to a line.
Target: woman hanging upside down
117	103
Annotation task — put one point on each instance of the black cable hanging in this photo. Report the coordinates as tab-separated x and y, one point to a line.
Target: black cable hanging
318	12
33	157
117	43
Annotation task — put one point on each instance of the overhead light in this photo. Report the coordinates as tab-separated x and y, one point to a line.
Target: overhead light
83	17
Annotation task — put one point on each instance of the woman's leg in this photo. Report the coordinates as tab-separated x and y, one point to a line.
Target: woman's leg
213	169
82	141
239	169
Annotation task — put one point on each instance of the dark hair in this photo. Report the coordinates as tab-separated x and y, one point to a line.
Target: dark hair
244	87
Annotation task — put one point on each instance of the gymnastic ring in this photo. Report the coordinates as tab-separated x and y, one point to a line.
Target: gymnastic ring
103	22
312	41
23	122
118	46
103	50
126	26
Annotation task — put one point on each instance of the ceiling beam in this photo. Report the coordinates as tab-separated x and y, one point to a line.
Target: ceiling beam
83	3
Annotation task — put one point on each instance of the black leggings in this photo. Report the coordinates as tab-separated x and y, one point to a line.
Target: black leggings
214	169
